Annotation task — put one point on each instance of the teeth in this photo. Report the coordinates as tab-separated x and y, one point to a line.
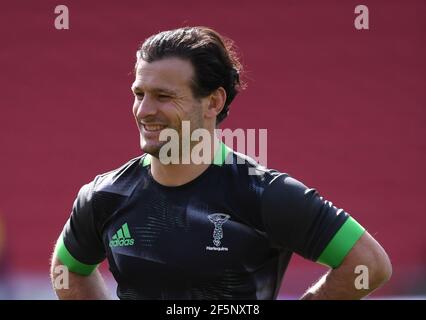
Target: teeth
153	127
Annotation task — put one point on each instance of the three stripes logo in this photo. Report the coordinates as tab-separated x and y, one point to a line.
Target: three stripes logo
122	238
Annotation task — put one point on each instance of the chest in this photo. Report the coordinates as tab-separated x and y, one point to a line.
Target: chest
159	234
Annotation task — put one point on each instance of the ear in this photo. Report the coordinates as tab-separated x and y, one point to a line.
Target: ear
216	103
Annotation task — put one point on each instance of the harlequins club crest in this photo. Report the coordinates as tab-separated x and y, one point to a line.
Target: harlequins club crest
218	220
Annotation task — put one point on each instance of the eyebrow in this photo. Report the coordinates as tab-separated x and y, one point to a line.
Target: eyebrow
155	90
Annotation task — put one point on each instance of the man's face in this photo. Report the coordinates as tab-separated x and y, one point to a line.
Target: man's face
163	99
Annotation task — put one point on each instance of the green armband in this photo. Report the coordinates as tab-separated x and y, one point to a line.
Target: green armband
68	260
342	242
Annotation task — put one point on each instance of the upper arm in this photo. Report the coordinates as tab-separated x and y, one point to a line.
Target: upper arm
79	246
75	286
369	253
298	218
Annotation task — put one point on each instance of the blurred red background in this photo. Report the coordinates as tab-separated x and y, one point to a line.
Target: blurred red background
345	111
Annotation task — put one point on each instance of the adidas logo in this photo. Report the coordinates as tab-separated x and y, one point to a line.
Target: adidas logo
122	238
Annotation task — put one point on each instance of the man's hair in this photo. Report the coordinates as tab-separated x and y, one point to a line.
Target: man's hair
213	57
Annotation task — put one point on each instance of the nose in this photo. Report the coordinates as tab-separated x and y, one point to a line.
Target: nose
145	108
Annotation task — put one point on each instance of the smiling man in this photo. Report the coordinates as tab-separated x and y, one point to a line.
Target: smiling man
210	230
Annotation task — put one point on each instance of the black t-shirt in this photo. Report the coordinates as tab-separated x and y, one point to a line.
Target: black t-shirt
228	234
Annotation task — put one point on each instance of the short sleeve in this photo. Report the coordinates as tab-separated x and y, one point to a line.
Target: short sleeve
298	218
80	247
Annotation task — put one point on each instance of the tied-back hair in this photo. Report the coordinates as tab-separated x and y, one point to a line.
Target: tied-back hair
213	57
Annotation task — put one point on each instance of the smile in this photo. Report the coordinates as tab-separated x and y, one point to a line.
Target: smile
153	127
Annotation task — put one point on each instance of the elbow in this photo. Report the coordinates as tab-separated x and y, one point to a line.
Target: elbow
381	270
384	272
368	253
54	263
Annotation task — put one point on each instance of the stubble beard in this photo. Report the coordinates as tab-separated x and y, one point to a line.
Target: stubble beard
196	122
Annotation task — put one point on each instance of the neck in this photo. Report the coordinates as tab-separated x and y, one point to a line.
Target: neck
173	175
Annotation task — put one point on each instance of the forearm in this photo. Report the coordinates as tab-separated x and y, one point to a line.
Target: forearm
336	285
78	287
363	270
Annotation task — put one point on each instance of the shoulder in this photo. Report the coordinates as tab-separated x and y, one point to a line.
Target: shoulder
98	199
121	180
251	173
287	188
273	183
246	182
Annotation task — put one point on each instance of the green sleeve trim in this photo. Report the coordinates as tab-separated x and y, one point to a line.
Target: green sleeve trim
146	161
221	154
68	260
342	242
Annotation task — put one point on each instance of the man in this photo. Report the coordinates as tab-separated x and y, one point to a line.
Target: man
211	230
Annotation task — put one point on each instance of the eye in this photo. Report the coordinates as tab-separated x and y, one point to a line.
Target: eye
139	95
163	97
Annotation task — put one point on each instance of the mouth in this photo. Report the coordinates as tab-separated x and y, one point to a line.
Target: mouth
153	127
